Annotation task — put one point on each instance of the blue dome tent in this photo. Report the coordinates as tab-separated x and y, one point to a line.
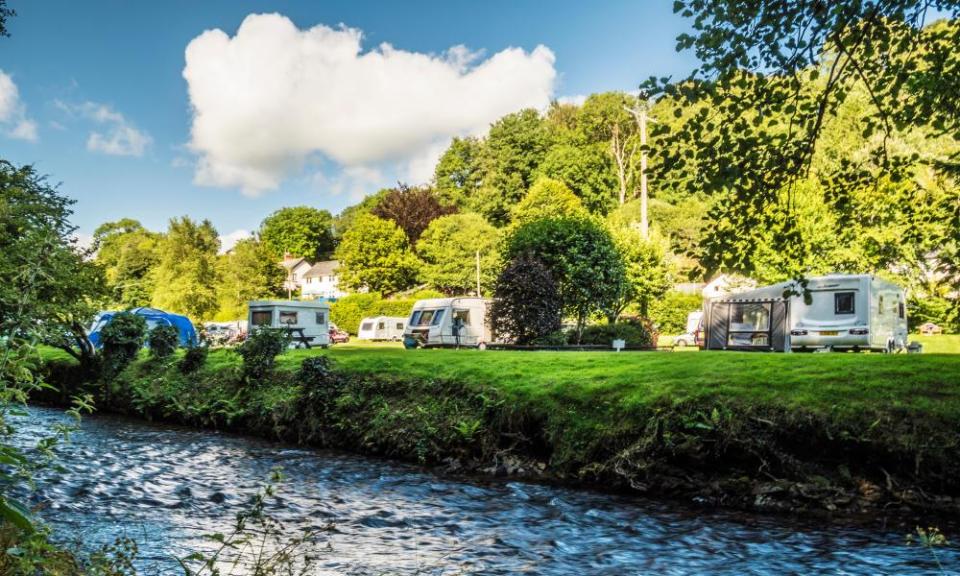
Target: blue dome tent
154	317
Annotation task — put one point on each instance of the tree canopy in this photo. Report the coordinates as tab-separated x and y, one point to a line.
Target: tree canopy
185	278
300	231
375	255
448	249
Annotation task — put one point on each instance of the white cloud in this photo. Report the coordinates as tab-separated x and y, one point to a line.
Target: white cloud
228	241
13	113
117	137
272	95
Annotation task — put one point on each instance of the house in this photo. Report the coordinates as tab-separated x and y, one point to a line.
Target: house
296	269
321	281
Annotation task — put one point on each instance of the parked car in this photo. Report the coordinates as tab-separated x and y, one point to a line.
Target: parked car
683	340
338	336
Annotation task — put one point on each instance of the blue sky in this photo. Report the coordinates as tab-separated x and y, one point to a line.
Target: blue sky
102	92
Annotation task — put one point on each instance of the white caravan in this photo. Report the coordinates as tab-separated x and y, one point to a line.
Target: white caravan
309	317
847	312
448	322
382	328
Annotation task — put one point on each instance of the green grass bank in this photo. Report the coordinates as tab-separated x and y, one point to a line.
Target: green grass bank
841	434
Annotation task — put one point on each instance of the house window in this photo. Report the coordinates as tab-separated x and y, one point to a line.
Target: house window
288	318
321	318
843	303
261	318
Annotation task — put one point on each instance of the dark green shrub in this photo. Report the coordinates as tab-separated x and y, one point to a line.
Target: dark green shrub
526	304
321	386
260	351
194	359
122	338
163	340
635	331
555	338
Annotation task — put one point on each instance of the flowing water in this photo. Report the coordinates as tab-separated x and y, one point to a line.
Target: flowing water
166	487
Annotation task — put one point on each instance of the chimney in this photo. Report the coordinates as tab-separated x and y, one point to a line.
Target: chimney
288	257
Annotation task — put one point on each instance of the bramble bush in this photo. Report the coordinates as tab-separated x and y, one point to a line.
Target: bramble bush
260	350
163	340
122	339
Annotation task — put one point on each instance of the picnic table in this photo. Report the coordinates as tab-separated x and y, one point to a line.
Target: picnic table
299	339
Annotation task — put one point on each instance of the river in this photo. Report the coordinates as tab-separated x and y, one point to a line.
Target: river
166	487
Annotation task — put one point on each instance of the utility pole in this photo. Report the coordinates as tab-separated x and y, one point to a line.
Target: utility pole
639	112
478	274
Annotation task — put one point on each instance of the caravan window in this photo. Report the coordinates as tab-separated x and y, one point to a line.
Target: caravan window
749	317
437	318
463	316
321	318
749	324
366	326
843	303
399	325
425	318
261	318
900	310
380	326
414	319
288	318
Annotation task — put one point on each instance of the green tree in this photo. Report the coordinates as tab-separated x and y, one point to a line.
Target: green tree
186	276
375	255
583	260
459	173
128	253
515	147
587	170
301	231
547	198
51	289
647	276
247	272
448	249
604	119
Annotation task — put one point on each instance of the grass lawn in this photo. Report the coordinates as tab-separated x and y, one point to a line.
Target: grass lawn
928	383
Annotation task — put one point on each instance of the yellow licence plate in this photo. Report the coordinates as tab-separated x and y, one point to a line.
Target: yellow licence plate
829	333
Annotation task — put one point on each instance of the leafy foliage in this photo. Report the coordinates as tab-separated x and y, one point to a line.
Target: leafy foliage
128	253
583	260
412	209
300	231
248	272
448	249
122	339
459	173
526	303
260	350
186	276
636	332
547	198
375	254
163	340
194	359
669	312
647	276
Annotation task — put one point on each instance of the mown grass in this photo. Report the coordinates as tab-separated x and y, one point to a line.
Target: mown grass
821	383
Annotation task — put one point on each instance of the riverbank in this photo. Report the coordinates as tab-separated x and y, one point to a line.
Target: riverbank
850	435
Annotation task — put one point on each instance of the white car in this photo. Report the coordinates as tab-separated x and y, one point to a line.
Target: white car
684	340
